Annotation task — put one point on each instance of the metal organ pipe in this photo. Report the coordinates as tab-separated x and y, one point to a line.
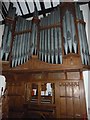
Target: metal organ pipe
56	40
45	40
79	30
50	42
59	38
40	45
52	39
7	36
49	50
68	23
74	39
65	35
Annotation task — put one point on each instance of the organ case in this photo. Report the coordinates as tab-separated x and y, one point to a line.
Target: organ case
50	51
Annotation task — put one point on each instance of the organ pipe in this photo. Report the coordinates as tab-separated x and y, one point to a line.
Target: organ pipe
51	37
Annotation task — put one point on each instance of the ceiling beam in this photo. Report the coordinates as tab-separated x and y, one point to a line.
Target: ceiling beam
2	14
51	3
42	8
20	7
27	6
2	22
40	12
3	10
82	3
4	7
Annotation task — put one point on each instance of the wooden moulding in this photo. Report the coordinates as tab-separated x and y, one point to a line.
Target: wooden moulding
80	21
5	65
70	62
50	26
22	32
67	6
9	20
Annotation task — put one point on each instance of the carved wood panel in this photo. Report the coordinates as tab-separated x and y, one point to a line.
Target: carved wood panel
70	103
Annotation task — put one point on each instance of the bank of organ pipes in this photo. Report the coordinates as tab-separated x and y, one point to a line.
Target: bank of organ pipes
50	37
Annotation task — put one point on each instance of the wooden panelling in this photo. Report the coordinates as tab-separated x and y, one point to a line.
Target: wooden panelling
69	106
62	90
58	75
62	106
69	90
67	96
70	99
76	90
77	111
73	75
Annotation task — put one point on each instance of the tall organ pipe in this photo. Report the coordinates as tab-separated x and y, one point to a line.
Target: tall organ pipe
40	46
65	35
29	24
68	25
49	48
79	32
52	39
74	39
59	38
56	40
45	40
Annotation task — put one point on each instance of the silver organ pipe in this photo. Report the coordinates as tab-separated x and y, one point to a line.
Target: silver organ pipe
20	45
68	25
7	36
79	31
40	46
56	37
48	34
29	35
74	39
82	37
21	48
45	40
59	38
65	35
50	37
85	43
25	43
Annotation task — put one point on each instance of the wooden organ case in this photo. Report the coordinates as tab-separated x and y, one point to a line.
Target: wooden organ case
43	62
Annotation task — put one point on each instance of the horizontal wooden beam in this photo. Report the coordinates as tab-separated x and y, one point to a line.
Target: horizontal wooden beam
42	8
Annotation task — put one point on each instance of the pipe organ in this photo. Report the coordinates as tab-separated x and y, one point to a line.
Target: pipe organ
50	45
50	50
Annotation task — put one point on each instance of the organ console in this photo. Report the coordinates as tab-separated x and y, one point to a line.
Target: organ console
52	49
